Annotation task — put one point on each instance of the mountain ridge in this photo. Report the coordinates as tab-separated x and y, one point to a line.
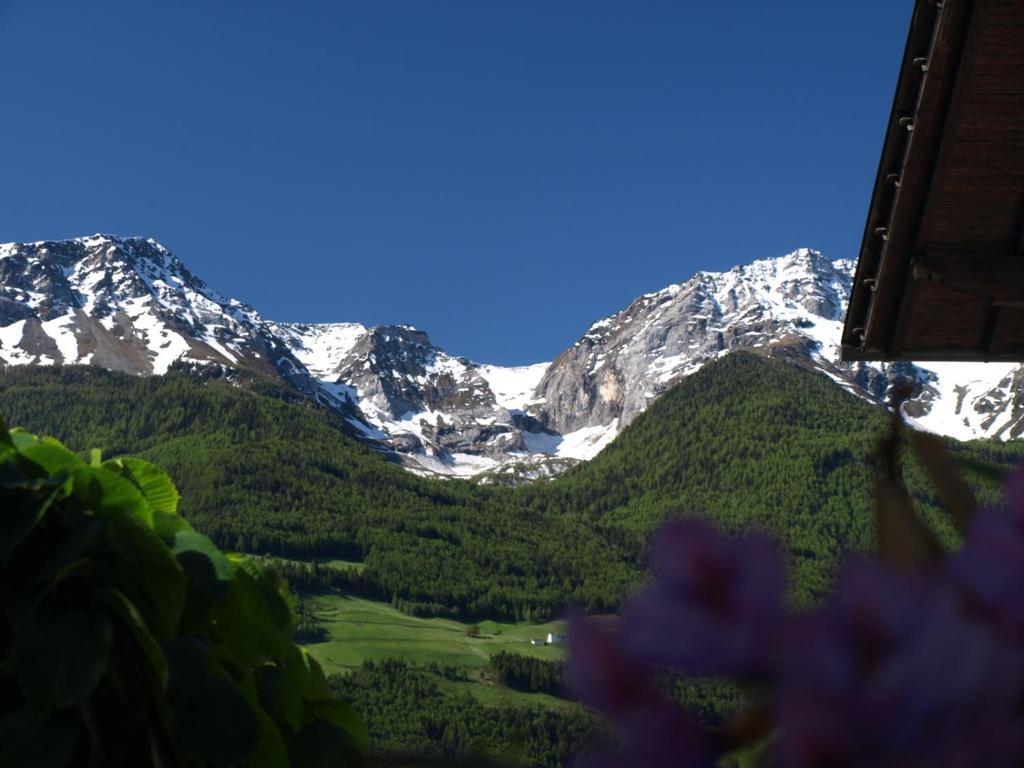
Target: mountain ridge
129	304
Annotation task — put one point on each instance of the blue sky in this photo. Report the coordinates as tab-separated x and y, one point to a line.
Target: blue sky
499	174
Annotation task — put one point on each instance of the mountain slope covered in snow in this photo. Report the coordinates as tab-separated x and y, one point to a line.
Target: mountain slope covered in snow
128	304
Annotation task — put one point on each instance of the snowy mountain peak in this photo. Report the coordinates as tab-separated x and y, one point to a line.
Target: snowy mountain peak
127	304
130	304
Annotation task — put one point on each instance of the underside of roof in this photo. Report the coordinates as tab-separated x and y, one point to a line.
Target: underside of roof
941	269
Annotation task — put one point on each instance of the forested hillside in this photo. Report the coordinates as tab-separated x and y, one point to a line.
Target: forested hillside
746	441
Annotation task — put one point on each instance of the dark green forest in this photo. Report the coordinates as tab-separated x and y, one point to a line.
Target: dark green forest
746	442
407	713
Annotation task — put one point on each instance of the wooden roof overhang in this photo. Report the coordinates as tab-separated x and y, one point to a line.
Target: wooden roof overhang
940	274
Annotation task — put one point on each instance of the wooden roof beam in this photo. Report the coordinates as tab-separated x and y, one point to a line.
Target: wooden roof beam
998	277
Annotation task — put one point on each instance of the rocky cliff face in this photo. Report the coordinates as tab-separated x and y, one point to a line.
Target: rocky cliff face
791	307
625	361
439	410
128	304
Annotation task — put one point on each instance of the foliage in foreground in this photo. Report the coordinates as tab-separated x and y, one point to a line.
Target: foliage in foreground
915	659
127	638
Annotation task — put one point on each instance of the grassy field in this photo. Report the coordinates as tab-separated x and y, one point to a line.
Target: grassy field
343	564
361	629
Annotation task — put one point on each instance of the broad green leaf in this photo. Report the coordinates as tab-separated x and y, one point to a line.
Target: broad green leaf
283	686
208	575
21	439
317	687
270	751
59	659
321	744
125	610
19	517
218	725
48	744
69	550
155	484
187	668
343	716
51	456
194	543
254	618
157	580
109	494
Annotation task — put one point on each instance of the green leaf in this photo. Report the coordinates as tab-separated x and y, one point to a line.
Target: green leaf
208	574
19	518
109	494
317	687
155	484
68	551
270	751
282	688
47	744
95	457
125	610
344	717
51	456
254	619
186	666
322	744
157	488
157	580
218	725
59	659
21	439
192	543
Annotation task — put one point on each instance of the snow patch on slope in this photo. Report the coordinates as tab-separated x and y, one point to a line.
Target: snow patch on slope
513	387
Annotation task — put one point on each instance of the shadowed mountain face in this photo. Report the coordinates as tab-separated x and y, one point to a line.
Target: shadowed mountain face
128	304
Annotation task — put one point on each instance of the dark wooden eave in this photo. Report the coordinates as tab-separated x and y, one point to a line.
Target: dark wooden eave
941	269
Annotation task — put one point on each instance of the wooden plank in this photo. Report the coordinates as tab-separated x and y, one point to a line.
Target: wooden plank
994	276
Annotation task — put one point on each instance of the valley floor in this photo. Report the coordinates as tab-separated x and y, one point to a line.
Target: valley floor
359	630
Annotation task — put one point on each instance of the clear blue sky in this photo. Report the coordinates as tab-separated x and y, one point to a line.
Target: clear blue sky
499	174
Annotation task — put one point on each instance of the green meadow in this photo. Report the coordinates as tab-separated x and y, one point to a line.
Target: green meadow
360	629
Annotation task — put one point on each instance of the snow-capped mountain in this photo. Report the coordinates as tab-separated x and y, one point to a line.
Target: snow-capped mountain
443	413
623	362
792	306
130	305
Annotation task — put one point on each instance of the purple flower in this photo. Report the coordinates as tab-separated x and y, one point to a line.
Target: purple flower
716	606
652	731
660	735
892	672
602	675
989	570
